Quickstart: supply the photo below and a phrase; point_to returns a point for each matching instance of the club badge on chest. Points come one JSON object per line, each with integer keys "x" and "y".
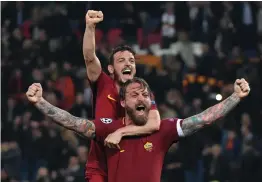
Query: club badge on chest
{"x": 148, "y": 146}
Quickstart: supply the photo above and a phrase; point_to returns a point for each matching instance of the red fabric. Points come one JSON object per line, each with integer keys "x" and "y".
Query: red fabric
{"x": 140, "y": 159}
{"x": 140, "y": 36}
{"x": 106, "y": 105}
{"x": 154, "y": 38}
{"x": 99, "y": 35}
{"x": 66, "y": 86}
{"x": 26, "y": 29}
{"x": 153, "y": 107}
{"x": 113, "y": 36}
{"x": 230, "y": 143}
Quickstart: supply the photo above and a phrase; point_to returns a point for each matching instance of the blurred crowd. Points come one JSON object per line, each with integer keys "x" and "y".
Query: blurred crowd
{"x": 42, "y": 42}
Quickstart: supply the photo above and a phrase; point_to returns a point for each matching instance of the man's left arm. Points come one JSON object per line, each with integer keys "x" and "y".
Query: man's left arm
{"x": 212, "y": 114}
{"x": 151, "y": 126}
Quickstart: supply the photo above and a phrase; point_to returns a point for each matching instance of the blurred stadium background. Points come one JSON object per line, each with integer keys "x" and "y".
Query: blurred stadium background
{"x": 189, "y": 52}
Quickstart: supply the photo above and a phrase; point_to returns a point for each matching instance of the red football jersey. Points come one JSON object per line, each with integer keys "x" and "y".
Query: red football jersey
{"x": 106, "y": 105}
{"x": 140, "y": 158}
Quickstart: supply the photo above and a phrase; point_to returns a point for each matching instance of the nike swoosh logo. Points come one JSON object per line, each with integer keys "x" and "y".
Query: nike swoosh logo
{"x": 111, "y": 98}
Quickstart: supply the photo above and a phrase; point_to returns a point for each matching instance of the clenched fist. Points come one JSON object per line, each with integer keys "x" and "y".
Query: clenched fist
{"x": 241, "y": 88}
{"x": 34, "y": 92}
{"x": 94, "y": 17}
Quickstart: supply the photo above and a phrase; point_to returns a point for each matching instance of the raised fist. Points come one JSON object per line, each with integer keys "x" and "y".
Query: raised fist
{"x": 34, "y": 92}
{"x": 241, "y": 88}
{"x": 94, "y": 17}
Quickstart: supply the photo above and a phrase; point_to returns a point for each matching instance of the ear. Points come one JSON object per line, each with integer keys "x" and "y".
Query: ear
{"x": 110, "y": 69}
{"x": 123, "y": 103}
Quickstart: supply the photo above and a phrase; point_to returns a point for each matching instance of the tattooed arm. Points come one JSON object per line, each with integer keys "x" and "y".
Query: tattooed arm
{"x": 82, "y": 126}
{"x": 194, "y": 123}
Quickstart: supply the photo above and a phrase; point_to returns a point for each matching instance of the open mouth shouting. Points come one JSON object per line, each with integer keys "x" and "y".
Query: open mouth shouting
{"x": 126, "y": 71}
{"x": 140, "y": 109}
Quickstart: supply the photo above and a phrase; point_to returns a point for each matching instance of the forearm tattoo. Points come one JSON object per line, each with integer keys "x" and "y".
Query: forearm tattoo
{"x": 193, "y": 123}
{"x": 82, "y": 126}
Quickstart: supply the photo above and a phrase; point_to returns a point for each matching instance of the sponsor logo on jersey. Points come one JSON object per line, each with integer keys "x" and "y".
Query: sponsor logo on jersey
{"x": 106, "y": 120}
{"x": 111, "y": 98}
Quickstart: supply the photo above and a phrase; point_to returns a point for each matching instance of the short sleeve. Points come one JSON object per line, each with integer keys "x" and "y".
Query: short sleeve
{"x": 101, "y": 129}
{"x": 102, "y": 80}
{"x": 105, "y": 126}
{"x": 171, "y": 129}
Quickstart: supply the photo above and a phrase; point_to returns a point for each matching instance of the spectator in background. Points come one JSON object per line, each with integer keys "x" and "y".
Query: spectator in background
{"x": 175, "y": 101}
{"x": 65, "y": 85}
{"x": 43, "y": 175}
{"x": 73, "y": 172}
{"x": 173, "y": 170}
{"x": 129, "y": 22}
{"x": 4, "y": 176}
{"x": 216, "y": 165}
{"x": 231, "y": 148}
{"x": 168, "y": 31}
{"x": 167, "y": 112}
{"x": 259, "y": 22}
{"x": 185, "y": 49}
{"x": 11, "y": 159}
{"x": 203, "y": 22}
{"x": 79, "y": 109}
{"x": 246, "y": 24}
{"x": 15, "y": 85}
{"x": 247, "y": 135}
{"x": 87, "y": 94}
{"x": 226, "y": 36}
{"x": 250, "y": 164}
{"x": 82, "y": 152}
{"x": 40, "y": 42}
{"x": 230, "y": 145}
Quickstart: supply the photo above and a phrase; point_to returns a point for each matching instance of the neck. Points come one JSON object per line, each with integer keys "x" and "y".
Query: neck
{"x": 117, "y": 86}
{"x": 127, "y": 120}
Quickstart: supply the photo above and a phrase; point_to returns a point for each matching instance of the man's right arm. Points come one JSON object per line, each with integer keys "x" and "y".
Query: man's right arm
{"x": 82, "y": 126}
{"x": 92, "y": 63}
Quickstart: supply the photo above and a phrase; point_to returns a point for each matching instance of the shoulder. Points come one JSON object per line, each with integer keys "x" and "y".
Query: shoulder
{"x": 106, "y": 120}
{"x": 103, "y": 81}
{"x": 173, "y": 125}
{"x": 107, "y": 123}
{"x": 104, "y": 77}
{"x": 105, "y": 126}
{"x": 170, "y": 121}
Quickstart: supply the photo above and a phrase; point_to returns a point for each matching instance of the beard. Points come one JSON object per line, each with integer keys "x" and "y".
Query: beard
{"x": 119, "y": 78}
{"x": 138, "y": 120}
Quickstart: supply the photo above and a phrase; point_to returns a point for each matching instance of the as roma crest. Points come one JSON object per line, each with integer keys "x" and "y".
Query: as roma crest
{"x": 148, "y": 146}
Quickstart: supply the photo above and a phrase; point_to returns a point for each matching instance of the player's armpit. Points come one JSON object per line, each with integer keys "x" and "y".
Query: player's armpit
{"x": 194, "y": 123}
{"x": 82, "y": 126}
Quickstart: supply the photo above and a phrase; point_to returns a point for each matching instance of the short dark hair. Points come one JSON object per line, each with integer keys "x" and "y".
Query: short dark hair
{"x": 120, "y": 48}
{"x": 141, "y": 81}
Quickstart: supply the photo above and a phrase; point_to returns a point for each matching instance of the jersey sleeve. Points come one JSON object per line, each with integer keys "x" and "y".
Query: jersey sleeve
{"x": 102, "y": 80}
{"x": 102, "y": 128}
{"x": 171, "y": 129}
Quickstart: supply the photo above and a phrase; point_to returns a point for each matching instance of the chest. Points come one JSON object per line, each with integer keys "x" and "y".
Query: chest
{"x": 140, "y": 152}
{"x": 107, "y": 103}
{"x": 140, "y": 159}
